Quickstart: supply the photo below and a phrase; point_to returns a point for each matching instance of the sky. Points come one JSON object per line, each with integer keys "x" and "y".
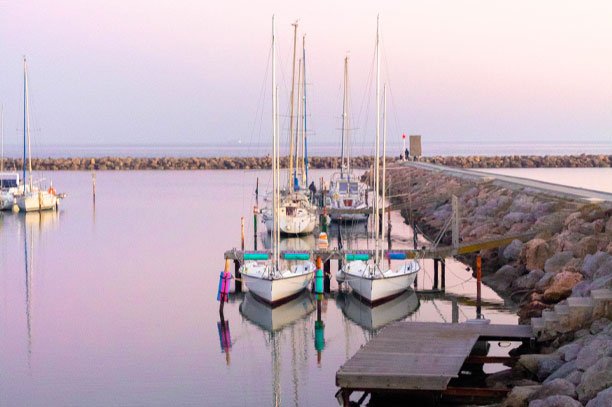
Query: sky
{"x": 186, "y": 72}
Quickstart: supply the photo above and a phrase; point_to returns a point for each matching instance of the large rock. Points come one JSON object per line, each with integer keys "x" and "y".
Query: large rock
{"x": 553, "y": 387}
{"x": 545, "y": 282}
{"x": 595, "y": 379}
{"x": 592, "y": 352}
{"x": 513, "y": 250}
{"x": 603, "y": 399}
{"x": 561, "y": 286}
{"x": 503, "y": 278}
{"x": 531, "y": 362}
{"x": 582, "y": 289}
{"x": 557, "y": 261}
{"x": 570, "y": 351}
{"x": 517, "y": 217}
{"x": 556, "y": 401}
{"x": 592, "y": 262}
{"x": 599, "y": 325}
{"x": 602, "y": 282}
{"x": 562, "y": 372}
{"x": 548, "y": 366}
{"x": 528, "y": 281}
{"x": 519, "y": 396}
{"x": 536, "y": 253}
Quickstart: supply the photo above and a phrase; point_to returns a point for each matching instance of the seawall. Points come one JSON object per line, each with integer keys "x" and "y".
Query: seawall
{"x": 218, "y": 163}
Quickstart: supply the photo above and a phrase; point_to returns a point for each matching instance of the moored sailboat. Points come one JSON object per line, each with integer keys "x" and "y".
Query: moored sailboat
{"x": 271, "y": 280}
{"x": 369, "y": 278}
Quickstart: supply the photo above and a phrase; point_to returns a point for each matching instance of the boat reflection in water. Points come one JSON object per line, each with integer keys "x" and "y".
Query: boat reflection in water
{"x": 274, "y": 319}
{"x": 297, "y": 243}
{"x": 375, "y": 318}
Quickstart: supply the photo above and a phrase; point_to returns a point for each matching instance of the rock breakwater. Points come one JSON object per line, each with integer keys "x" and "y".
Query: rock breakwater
{"x": 223, "y": 163}
{"x": 562, "y": 274}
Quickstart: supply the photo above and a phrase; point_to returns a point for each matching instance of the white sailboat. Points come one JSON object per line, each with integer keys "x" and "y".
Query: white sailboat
{"x": 32, "y": 198}
{"x": 369, "y": 278}
{"x": 346, "y": 191}
{"x": 272, "y": 281}
{"x": 297, "y": 214}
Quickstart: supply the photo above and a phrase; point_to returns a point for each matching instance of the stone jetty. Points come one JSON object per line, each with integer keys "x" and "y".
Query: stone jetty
{"x": 223, "y": 163}
{"x": 561, "y": 280}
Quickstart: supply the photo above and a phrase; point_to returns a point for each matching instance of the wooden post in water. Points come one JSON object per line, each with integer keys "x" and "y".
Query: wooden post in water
{"x": 222, "y": 297}
{"x": 257, "y": 192}
{"x": 242, "y": 232}
{"x": 238, "y": 277}
{"x": 326, "y": 274}
{"x": 455, "y": 310}
{"x": 414, "y": 233}
{"x": 255, "y": 227}
{"x": 318, "y": 266}
{"x": 443, "y": 275}
{"x": 93, "y": 180}
{"x": 435, "y": 276}
{"x": 478, "y": 288}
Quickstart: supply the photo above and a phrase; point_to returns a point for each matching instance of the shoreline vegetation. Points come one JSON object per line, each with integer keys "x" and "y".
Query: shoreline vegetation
{"x": 362, "y": 162}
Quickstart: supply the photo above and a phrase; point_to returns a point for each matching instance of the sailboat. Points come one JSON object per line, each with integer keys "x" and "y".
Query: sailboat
{"x": 345, "y": 189}
{"x": 32, "y": 198}
{"x": 9, "y": 181}
{"x": 297, "y": 214}
{"x": 369, "y": 278}
{"x": 272, "y": 281}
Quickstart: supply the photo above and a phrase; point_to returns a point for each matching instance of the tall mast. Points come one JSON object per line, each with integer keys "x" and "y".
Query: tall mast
{"x": 377, "y": 159}
{"x": 274, "y": 152}
{"x": 343, "y": 156}
{"x": 304, "y": 92}
{"x": 291, "y": 174}
{"x": 298, "y": 123}
{"x": 346, "y": 98}
{"x": 384, "y": 159}
{"x": 277, "y": 179}
{"x": 26, "y": 124}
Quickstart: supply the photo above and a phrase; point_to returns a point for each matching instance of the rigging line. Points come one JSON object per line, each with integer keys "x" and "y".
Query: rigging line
{"x": 365, "y": 98}
{"x": 395, "y": 115}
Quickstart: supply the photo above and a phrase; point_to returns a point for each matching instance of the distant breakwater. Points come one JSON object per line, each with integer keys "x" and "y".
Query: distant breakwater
{"x": 228, "y": 163}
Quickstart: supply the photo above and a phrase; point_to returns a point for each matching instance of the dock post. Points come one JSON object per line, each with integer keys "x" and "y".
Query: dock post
{"x": 223, "y": 287}
{"x": 380, "y": 224}
{"x": 443, "y": 274}
{"x": 435, "y": 276}
{"x": 242, "y": 232}
{"x": 478, "y": 288}
{"x": 414, "y": 233}
{"x": 326, "y": 274}
{"x": 389, "y": 228}
{"x": 455, "y": 310}
{"x": 255, "y": 227}
{"x": 93, "y": 180}
{"x": 238, "y": 277}
{"x": 318, "y": 266}
{"x": 257, "y": 192}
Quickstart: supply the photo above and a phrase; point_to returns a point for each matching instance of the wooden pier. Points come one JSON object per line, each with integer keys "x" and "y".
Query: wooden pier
{"x": 423, "y": 357}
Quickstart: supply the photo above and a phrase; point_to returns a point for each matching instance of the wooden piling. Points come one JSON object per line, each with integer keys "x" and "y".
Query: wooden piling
{"x": 443, "y": 274}
{"x": 326, "y": 276}
{"x": 478, "y": 287}
{"x": 255, "y": 210}
{"x": 93, "y": 180}
{"x": 238, "y": 277}
{"x": 435, "y": 276}
{"x": 414, "y": 233}
{"x": 242, "y": 232}
{"x": 222, "y": 297}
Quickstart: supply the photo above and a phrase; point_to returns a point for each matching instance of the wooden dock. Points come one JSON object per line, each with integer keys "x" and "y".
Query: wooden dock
{"x": 423, "y": 357}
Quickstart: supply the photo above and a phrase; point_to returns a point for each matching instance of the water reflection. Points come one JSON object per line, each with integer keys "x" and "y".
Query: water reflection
{"x": 28, "y": 282}
{"x": 375, "y": 318}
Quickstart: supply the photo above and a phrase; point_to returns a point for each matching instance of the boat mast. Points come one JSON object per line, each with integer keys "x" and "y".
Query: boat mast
{"x": 384, "y": 161}
{"x": 346, "y": 98}
{"x": 26, "y": 124}
{"x": 277, "y": 181}
{"x": 342, "y": 156}
{"x": 298, "y": 124}
{"x": 304, "y": 92}
{"x": 274, "y": 152}
{"x": 377, "y": 159}
{"x": 291, "y": 172}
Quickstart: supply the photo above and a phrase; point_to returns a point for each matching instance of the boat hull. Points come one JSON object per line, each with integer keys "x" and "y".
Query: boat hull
{"x": 378, "y": 289}
{"x": 276, "y": 290}
{"x": 37, "y": 202}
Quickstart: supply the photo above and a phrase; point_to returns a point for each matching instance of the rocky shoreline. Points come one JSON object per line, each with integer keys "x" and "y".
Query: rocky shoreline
{"x": 223, "y": 163}
{"x": 562, "y": 274}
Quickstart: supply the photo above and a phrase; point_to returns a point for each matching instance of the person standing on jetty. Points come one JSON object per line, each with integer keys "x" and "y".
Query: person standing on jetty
{"x": 406, "y": 154}
{"x": 313, "y": 191}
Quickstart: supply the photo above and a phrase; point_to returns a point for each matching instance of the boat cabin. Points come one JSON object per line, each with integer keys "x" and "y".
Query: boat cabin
{"x": 348, "y": 187}
{"x": 9, "y": 179}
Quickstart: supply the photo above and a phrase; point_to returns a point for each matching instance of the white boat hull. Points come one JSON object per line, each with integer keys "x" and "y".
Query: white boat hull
{"x": 37, "y": 201}
{"x": 381, "y": 285}
{"x": 374, "y": 318}
{"x": 279, "y": 288}
{"x": 273, "y": 319}
{"x": 7, "y": 199}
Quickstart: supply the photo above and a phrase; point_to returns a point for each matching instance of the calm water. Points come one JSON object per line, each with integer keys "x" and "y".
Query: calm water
{"x": 117, "y": 306}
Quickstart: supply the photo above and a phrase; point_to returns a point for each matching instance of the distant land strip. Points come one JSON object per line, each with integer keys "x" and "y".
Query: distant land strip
{"x": 227, "y": 163}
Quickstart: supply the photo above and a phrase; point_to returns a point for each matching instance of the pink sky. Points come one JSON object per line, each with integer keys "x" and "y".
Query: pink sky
{"x": 192, "y": 71}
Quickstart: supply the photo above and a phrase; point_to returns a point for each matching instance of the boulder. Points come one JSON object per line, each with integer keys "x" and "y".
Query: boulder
{"x": 513, "y": 250}
{"x": 545, "y": 282}
{"x": 562, "y": 372}
{"x": 554, "y": 387}
{"x": 592, "y": 262}
{"x": 582, "y": 289}
{"x": 586, "y": 245}
{"x": 528, "y": 281}
{"x": 575, "y": 377}
{"x": 569, "y": 352}
{"x": 595, "y": 379}
{"x": 503, "y": 278}
{"x": 531, "y": 361}
{"x": 609, "y": 225}
{"x": 517, "y": 217}
{"x": 572, "y": 217}
{"x": 548, "y": 366}
{"x": 602, "y": 282}
{"x": 561, "y": 286}
{"x": 599, "y": 325}
{"x": 536, "y": 253}
{"x": 592, "y": 352}
{"x": 557, "y": 261}
{"x": 556, "y": 401}
{"x": 603, "y": 399}
{"x": 519, "y": 395}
